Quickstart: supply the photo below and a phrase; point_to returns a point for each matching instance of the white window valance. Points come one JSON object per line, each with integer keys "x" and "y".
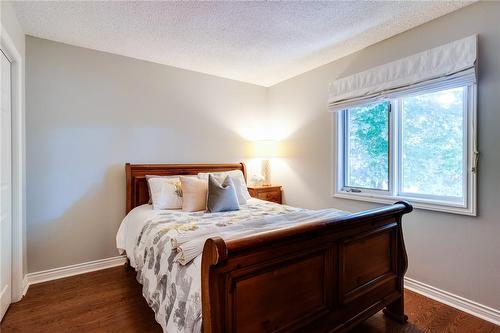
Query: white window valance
{"x": 455, "y": 61}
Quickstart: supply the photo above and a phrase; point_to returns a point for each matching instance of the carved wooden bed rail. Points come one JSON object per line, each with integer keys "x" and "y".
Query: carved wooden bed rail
{"x": 321, "y": 277}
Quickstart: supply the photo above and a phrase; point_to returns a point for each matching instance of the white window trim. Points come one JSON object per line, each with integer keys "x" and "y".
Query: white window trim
{"x": 468, "y": 207}
{"x": 18, "y": 164}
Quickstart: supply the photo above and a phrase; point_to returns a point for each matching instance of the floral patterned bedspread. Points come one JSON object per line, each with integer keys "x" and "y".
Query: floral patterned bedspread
{"x": 173, "y": 290}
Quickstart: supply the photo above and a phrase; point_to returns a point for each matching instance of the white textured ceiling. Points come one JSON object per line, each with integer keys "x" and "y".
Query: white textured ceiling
{"x": 257, "y": 42}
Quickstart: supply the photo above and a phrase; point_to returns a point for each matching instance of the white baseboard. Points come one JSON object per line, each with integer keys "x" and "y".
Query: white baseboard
{"x": 62, "y": 272}
{"x": 25, "y": 285}
{"x": 4, "y": 301}
{"x": 458, "y": 302}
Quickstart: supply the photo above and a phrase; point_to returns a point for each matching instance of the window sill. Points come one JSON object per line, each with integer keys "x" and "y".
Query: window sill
{"x": 416, "y": 203}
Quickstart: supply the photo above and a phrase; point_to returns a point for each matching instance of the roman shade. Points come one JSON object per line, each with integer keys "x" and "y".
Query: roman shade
{"x": 442, "y": 65}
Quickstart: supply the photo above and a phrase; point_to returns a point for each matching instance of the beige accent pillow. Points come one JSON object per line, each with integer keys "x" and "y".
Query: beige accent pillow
{"x": 194, "y": 194}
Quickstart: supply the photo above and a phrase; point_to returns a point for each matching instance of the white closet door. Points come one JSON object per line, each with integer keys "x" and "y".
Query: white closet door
{"x": 5, "y": 185}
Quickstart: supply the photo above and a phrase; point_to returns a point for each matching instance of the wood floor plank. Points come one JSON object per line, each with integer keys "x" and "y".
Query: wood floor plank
{"x": 111, "y": 301}
{"x": 104, "y": 301}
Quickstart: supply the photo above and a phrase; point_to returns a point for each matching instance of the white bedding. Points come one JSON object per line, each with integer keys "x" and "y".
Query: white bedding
{"x": 154, "y": 239}
{"x": 131, "y": 226}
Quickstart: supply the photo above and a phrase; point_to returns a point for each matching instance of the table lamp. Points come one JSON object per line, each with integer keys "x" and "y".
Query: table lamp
{"x": 266, "y": 149}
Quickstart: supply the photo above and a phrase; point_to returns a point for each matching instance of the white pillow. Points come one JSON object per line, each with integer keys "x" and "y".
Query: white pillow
{"x": 194, "y": 194}
{"x": 238, "y": 181}
{"x": 149, "y": 187}
{"x": 166, "y": 193}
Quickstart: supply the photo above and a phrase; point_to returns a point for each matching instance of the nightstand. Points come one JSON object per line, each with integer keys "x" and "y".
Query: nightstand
{"x": 268, "y": 193}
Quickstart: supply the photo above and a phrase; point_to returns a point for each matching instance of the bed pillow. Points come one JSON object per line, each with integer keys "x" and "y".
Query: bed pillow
{"x": 238, "y": 180}
{"x": 148, "y": 177}
{"x": 165, "y": 193}
{"x": 194, "y": 194}
{"x": 221, "y": 197}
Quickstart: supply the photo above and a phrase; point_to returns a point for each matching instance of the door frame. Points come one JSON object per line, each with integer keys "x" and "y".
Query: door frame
{"x": 19, "y": 283}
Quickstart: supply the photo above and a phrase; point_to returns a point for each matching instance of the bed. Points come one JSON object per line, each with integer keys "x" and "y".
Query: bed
{"x": 325, "y": 275}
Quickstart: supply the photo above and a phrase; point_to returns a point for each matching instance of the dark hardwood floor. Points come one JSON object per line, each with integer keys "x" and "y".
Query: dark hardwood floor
{"x": 110, "y": 301}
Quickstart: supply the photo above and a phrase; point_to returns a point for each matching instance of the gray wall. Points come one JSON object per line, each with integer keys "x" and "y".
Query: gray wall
{"x": 88, "y": 113}
{"x": 455, "y": 253}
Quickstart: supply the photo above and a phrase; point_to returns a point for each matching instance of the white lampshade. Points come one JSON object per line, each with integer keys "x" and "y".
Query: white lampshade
{"x": 265, "y": 148}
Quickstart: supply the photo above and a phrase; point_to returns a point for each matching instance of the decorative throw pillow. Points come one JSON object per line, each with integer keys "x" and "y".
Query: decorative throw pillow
{"x": 165, "y": 192}
{"x": 148, "y": 177}
{"x": 221, "y": 197}
{"x": 194, "y": 194}
{"x": 238, "y": 180}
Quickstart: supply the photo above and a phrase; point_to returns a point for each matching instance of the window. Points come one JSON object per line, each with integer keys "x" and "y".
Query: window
{"x": 367, "y": 146}
{"x": 418, "y": 147}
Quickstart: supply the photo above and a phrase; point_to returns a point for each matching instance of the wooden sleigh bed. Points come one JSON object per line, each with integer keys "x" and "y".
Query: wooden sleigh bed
{"x": 321, "y": 277}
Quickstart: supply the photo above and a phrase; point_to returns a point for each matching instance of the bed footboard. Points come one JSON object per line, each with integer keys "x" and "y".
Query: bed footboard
{"x": 321, "y": 277}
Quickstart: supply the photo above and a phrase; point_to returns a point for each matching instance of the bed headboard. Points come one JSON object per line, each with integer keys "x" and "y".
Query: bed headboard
{"x": 137, "y": 188}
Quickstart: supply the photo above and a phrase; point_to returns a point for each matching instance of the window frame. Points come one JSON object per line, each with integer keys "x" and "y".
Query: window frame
{"x": 435, "y": 203}
{"x": 390, "y": 170}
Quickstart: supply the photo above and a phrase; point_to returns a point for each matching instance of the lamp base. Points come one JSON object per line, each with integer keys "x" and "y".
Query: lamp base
{"x": 266, "y": 172}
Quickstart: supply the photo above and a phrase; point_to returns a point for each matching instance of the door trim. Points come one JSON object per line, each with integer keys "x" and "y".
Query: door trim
{"x": 18, "y": 163}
